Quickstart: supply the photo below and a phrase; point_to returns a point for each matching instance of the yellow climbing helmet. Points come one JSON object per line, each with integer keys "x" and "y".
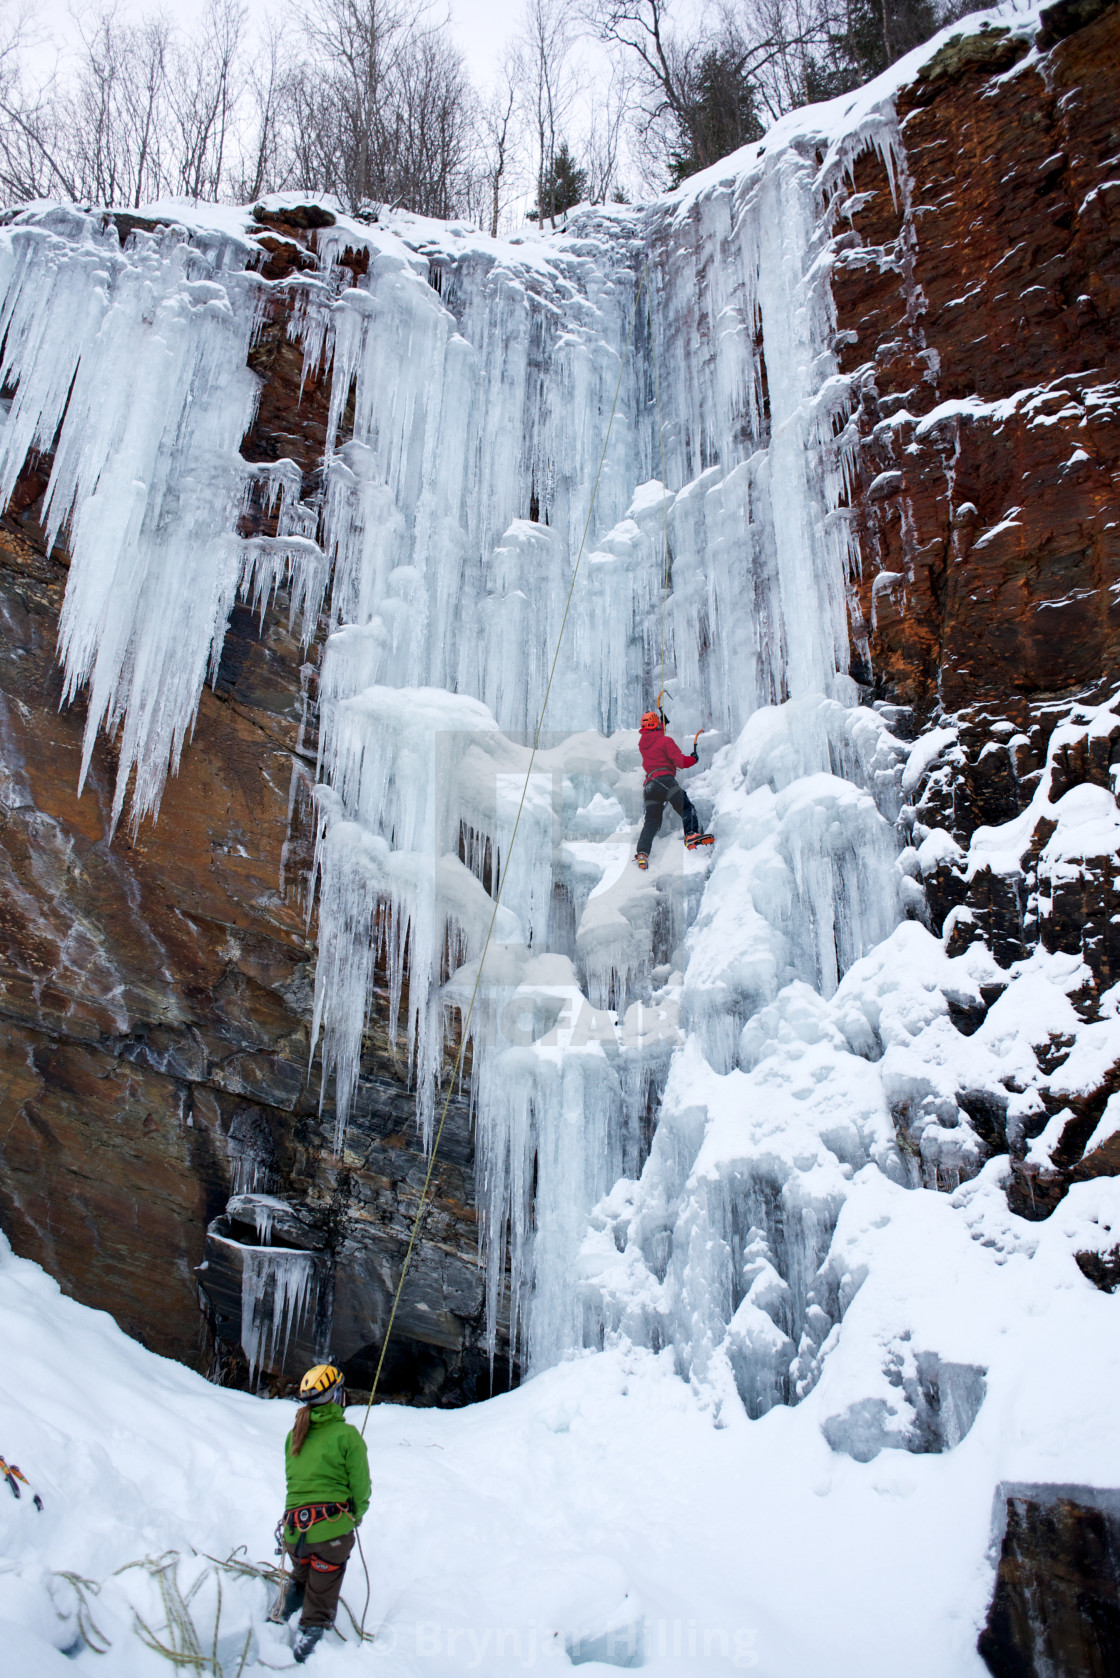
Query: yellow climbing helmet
{"x": 321, "y": 1384}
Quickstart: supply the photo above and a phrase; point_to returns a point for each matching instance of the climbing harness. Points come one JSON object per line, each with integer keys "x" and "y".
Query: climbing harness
{"x": 298, "y": 1523}
{"x": 310, "y": 1514}
{"x": 14, "y": 1476}
{"x": 465, "y": 1031}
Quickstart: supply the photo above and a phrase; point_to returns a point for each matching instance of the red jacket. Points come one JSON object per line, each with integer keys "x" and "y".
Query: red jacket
{"x": 660, "y": 755}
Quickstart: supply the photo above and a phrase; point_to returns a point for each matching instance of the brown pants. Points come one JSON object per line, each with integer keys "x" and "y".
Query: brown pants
{"x": 320, "y": 1571}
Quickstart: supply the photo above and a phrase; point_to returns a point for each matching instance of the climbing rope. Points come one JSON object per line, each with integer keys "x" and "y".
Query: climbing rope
{"x": 465, "y": 1031}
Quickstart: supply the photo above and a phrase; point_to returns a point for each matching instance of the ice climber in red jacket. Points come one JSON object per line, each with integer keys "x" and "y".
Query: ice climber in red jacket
{"x": 660, "y": 757}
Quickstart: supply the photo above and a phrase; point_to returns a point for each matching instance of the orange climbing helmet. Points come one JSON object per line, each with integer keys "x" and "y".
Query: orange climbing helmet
{"x": 650, "y": 721}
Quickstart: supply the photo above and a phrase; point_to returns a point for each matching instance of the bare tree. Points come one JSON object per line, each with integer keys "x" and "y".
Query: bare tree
{"x": 310, "y": 125}
{"x": 380, "y": 111}
{"x": 97, "y": 136}
{"x": 267, "y": 156}
{"x": 676, "y": 80}
{"x": 116, "y": 109}
{"x": 377, "y": 108}
{"x": 641, "y": 29}
{"x": 356, "y": 47}
{"x": 421, "y": 151}
{"x": 147, "y": 105}
{"x": 33, "y": 158}
{"x": 609, "y": 114}
{"x": 203, "y": 92}
{"x": 498, "y": 132}
{"x": 551, "y": 86}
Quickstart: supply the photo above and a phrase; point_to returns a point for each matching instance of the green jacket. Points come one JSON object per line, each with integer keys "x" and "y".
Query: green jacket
{"x": 331, "y": 1467}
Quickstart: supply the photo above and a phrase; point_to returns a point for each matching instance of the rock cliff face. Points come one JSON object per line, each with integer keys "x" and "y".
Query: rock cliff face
{"x": 978, "y": 308}
{"x": 981, "y": 312}
{"x": 155, "y": 993}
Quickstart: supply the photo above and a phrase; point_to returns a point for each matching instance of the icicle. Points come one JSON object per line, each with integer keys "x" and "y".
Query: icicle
{"x": 292, "y": 556}
{"x": 457, "y": 435}
{"x": 146, "y": 470}
{"x": 276, "y": 1284}
{"x": 251, "y": 1152}
{"x": 261, "y": 1210}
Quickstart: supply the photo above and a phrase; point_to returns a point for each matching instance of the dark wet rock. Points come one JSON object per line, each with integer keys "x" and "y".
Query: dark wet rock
{"x": 1055, "y": 1611}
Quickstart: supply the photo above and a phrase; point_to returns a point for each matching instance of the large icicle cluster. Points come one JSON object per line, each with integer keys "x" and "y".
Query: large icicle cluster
{"x": 130, "y": 369}
{"x": 496, "y": 411}
{"x": 475, "y": 407}
{"x": 454, "y": 515}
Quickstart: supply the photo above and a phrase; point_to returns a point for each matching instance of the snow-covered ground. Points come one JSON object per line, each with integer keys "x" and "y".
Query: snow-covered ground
{"x": 596, "y": 1514}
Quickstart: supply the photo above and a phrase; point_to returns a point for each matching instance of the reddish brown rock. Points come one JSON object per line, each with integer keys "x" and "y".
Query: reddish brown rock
{"x": 989, "y": 569}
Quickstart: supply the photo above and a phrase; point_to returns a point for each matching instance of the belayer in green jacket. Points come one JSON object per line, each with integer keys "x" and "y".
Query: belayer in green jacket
{"x": 327, "y": 1495}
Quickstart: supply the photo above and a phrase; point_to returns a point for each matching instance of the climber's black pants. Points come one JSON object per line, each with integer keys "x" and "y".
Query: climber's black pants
{"x": 320, "y": 1571}
{"x": 657, "y": 794}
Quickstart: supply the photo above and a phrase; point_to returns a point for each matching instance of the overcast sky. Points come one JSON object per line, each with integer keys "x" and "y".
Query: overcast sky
{"x": 481, "y": 26}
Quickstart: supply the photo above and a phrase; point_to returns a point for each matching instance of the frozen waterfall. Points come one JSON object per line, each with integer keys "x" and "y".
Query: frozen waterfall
{"x": 450, "y": 583}
{"x": 472, "y": 384}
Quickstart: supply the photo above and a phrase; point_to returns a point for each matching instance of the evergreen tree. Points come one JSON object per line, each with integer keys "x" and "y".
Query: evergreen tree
{"x": 718, "y": 115}
{"x": 562, "y": 185}
{"x": 867, "y": 36}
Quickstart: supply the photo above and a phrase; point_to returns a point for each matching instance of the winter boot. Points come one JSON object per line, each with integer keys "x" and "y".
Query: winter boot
{"x": 642, "y": 861}
{"x": 693, "y": 841}
{"x": 306, "y": 1639}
